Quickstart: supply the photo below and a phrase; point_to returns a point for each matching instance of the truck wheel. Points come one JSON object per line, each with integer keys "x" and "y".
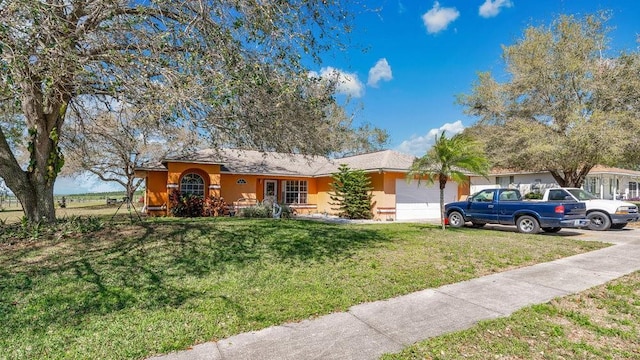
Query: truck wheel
{"x": 551, "y": 229}
{"x": 527, "y": 224}
{"x": 456, "y": 219}
{"x": 599, "y": 221}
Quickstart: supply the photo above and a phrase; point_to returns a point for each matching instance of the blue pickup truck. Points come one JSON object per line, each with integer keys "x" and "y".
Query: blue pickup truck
{"x": 506, "y": 207}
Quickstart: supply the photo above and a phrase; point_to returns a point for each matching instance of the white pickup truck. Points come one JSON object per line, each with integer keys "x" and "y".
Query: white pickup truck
{"x": 604, "y": 214}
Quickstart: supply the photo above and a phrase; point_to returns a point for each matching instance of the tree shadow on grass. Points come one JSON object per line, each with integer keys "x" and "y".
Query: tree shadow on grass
{"x": 144, "y": 265}
{"x": 291, "y": 242}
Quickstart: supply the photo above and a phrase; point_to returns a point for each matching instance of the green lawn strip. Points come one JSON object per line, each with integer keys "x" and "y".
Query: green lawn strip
{"x": 130, "y": 290}
{"x": 600, "y": 323}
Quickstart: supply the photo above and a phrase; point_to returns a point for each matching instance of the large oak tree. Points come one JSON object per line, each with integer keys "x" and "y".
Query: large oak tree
{"x": 567, "y": 104}
{"x": 231, "y": 70}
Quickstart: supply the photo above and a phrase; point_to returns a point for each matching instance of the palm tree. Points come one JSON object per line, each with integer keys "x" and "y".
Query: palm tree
{"x": 448, "y": 159}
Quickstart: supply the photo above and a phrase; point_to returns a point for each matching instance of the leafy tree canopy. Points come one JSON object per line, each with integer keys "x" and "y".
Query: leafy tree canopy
{"x": 232, "y": 71}
{"x": 565, "y": 107}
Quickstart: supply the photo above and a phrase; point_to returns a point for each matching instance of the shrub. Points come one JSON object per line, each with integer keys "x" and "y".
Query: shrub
{"x": 533, "y": 196}
{"x": 74, "y": 226}
{"x": 215, "y": 206}
{"x": 287, "y": 211}
{"x": 258, "y": 211}
{"x": 187, "y": 205}
{"x": 265, "y": 211}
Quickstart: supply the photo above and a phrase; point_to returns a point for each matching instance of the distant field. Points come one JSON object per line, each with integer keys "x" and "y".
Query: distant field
{"x": 81, "y": 204}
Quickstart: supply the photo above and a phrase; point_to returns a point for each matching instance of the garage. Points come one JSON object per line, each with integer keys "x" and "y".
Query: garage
{"x": 421, "y": 202}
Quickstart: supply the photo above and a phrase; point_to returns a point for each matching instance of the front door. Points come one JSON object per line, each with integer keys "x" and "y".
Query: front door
{"x": 271, "y": 189}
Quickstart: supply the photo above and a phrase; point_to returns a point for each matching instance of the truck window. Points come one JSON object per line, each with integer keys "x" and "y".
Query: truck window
{"x": 581, "y": 194}
{"x": 557, "y": 195}
{"x": 483, "y": 196}
{"x": 509, "y": 195}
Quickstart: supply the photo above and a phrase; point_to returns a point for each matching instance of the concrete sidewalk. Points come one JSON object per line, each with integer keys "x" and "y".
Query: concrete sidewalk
{"x": 369, "y": 330}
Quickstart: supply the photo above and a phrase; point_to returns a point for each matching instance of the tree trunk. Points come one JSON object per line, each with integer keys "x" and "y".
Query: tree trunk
{"x": 571, "y": 178}
{"x": 34, "y": 186}
{"x": 132, "y": 186}
{"x": 443, "y": 184}
{"x": 38, "y": 203}
{"x": 34, "y": 192}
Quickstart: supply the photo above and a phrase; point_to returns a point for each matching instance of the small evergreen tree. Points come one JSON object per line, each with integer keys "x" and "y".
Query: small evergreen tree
{"x": 351, "y": 193}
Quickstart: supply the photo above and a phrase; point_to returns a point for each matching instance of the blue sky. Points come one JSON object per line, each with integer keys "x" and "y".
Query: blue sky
{"x": 410, "y": 59}
{"x": 423, "y": 53}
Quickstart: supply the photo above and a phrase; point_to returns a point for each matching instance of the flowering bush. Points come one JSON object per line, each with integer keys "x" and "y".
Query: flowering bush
{"x": 189, "y": 205}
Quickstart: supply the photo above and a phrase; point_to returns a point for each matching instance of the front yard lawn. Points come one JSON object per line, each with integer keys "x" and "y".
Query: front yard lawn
{"x": 97, "y": 289}
{"x": 600, "y": 323}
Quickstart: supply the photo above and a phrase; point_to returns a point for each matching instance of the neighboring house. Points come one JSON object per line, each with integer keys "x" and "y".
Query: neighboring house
{"x": 604, "y": 182}
{"x": 299, "y": 181}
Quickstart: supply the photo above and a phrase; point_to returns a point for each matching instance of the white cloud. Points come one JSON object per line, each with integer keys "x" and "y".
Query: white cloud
{"x": 347, "y": 83}
{"x": 492, "y": 8}
{"x": 437, "y": 19}
{"x": 380, "y": 71}
{"x": 419, "y": 145}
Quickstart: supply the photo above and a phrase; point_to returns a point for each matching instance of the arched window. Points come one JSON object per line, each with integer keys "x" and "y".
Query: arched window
{"x": 192, "y": 184}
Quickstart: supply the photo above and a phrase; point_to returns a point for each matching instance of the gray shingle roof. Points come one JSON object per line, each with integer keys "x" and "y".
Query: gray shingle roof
{"x": 237, "y": 161}
{"x": 386, "y": 160}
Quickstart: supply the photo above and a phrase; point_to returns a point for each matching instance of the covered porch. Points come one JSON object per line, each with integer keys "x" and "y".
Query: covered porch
{"x": 613, "y": 183}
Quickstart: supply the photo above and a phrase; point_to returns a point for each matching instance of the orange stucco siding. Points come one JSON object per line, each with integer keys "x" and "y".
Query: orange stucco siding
{"x": 156, "y": 194}
{"x": 323, "y": 187}
{"x": 177, "y": 170}
{"x": 388, "y": 195}
{"x": 231, "y": 189}
{"x": 464, "y": 189}
{"x": 379, "y": 198}
{"x": 157, "y": 188}
{"x": 384, "y": 191}
{"x": 236, "y": 186}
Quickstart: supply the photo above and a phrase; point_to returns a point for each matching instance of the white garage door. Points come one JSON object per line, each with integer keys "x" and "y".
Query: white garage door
{"x": 421, "y": 202}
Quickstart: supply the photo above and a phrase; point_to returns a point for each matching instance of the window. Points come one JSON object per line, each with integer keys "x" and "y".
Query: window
{"x": 633, "y": 186}
{"x": 504, "y": 181}
{"x": 192, "y": 184}
{"x": 241, "y": 181}
{"x": 295, "y": 192}
{"x": 591, "y": 185}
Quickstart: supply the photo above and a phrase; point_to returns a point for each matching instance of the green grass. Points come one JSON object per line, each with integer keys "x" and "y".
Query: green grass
{"x": 97, "y": 289}
{"x": 600, "y": 323}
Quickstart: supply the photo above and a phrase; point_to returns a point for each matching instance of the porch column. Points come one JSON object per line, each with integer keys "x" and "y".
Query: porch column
{"x": 146, "y": 194}
{"x": 214, "y": 189}
{"x": 601, "y": 187}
